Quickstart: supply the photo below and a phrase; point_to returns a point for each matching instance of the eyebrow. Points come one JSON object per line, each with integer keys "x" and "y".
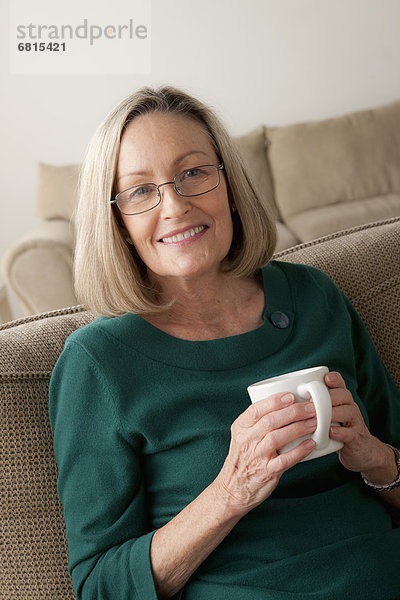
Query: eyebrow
{"x": 176, "y": 161}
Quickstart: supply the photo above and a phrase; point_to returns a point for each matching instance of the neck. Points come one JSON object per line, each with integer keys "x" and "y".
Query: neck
{"x": 214, "y": 303}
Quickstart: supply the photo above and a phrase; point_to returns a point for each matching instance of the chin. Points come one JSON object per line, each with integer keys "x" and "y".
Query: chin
{"x": 188, "y": 270}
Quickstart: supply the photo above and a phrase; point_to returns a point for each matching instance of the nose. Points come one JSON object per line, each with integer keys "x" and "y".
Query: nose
{"x": 172, "y": 204}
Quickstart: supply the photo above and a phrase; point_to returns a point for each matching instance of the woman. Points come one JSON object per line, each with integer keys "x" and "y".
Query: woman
{"x": 171, "y": 482}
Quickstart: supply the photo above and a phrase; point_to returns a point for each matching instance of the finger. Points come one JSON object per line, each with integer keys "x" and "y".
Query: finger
{"x": 334, "y": 379}
{"x": 277, "y": 439}
{"x": 286, "y": 460}
{"x": 341, "y": 434}
{"x": 259, "y": 409}
{"x": 277, "y": 419}
{"x": 345, "y": 414}
{"x": 341, "y": 396}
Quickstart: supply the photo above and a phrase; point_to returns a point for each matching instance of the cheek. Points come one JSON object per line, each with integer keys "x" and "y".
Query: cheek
{"x": 140, "y": 230}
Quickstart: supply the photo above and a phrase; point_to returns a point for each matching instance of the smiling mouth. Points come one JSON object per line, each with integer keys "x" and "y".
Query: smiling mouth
{"x": 180, "y": 237}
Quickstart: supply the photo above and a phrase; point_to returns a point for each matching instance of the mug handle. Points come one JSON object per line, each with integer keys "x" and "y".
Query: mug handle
{"x": 323, "y": 408}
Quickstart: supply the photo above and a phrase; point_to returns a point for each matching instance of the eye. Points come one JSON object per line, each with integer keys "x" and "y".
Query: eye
{"x": 137, "y": 193}
{"x": 190, "y": 173}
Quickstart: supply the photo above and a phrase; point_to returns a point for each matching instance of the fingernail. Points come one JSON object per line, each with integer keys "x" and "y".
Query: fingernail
{"x": 333, "y": 378}
{"x": 287, "y": 398}
{"x": 309, "y": 407}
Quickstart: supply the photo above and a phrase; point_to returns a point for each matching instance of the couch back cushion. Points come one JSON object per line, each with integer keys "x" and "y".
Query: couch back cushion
{"x": 337, "y": 173}
{"x": 252, "y": 149}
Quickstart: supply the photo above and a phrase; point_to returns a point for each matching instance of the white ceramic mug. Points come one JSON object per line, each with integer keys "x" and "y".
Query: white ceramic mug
{"x": 304, "y": 384}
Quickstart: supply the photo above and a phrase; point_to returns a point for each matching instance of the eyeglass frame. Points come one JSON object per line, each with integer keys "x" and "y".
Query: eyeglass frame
{"x": 173, "y": 182}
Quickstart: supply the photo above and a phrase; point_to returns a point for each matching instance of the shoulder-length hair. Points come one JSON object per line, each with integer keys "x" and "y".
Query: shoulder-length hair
{"x": 110, "y": 278}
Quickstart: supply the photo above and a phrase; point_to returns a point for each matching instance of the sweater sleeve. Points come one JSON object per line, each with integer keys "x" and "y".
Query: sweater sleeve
{"x": 100, "y": 485}
{"x": 376, "y": 388}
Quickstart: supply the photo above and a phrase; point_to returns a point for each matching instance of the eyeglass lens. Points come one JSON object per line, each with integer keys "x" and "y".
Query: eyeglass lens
{"x": 191, "y": 182}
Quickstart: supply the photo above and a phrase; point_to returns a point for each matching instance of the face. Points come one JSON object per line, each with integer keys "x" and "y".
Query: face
{"x": 154, "y": 148}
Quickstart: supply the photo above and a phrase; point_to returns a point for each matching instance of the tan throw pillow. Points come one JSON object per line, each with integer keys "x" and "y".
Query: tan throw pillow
{"x": 353, "y": 160}
{"x": 57, "y": 191}
{"x": 251, "y": 148}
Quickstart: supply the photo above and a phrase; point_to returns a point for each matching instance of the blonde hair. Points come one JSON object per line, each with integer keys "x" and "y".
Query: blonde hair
{"x": 110, "y": 278}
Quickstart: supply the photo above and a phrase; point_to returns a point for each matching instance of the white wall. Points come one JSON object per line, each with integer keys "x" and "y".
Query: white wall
{"x": 259, "y": 61}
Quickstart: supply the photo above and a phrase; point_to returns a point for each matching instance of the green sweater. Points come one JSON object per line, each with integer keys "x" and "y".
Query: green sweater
{"x": 141, "y": 426}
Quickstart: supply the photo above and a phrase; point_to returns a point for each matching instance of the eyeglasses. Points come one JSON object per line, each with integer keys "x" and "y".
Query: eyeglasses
{"x": 190, "y": 182}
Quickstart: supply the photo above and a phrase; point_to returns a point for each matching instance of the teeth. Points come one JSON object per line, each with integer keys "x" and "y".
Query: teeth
{"x": 183, "y": 236}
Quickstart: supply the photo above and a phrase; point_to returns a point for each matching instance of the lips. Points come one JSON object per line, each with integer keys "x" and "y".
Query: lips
{"x": 180, "y": 236}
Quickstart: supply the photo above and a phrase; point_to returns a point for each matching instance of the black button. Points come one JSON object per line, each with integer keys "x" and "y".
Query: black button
{"x": 280, "y": 320}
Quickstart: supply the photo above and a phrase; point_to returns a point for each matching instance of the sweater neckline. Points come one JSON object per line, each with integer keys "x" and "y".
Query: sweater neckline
{"x": 223, "y": 353}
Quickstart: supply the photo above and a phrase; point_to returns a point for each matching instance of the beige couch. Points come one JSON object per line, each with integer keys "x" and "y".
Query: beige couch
{"x": 364, "y": 262}
{"x": 319, "y": 177}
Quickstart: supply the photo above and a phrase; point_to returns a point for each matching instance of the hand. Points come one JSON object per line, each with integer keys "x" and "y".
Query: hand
{"x": 362, "y": 452}
{"x": 253, "y": 466}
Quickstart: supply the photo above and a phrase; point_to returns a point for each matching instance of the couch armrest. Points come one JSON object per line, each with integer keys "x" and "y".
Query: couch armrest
{"x": 38, "y": 268}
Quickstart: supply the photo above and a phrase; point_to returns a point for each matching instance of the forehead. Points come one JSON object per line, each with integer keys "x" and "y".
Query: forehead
{"x": 159, "y": 137}
{"x": 155, "y": 125}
